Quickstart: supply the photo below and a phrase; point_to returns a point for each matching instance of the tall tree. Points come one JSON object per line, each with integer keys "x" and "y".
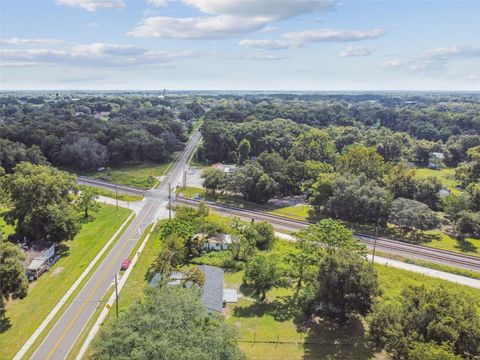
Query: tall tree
{"x": 170, "y": 323}
{"x": 347, "y": 285}
{"x": 314, "y": 145}
{"x": 262, "y": 274}
{"x": 213, "y": 179}
{"x": 13, "y": 281}
{"x": 87, "y": 202}
{"x": 412, "y": 215}
{"x": 244, "y": 149}
{"x": 359, "y": 160}
{"x": 41, "y": 200}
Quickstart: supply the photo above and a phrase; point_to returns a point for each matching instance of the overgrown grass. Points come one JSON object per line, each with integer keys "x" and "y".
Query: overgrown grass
{"x": 138, "y": 175}
{"x": 431, "y": 265}
{"x": 25, "y": 315}
{"x": 444, "y": 175}
{"x": 393, "y": 281}
{"x": 111, "y": 194}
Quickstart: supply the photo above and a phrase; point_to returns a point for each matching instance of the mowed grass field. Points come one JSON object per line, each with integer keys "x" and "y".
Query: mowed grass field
{"x": 137, "y": 175}
{"x": 27, "y": 314}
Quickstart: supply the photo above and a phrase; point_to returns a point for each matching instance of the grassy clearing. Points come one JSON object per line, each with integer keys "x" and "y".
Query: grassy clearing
{"x": 444, "y": 175}
{"x": 111, "y": 194}
{"x": 27, "y": 314}
{"x": 300, "y": 212}
{"x": 138, "y": 175}
{"x": 5, "y": 229}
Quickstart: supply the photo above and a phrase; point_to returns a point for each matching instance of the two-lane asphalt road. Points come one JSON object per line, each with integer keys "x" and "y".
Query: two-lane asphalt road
{"x": 61, "y": 338}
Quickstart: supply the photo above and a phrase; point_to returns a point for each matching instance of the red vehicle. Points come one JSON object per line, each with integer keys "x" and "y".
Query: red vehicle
{"x": 125, "y": 264}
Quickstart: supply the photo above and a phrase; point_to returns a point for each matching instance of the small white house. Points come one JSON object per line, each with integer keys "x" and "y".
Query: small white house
{"x": 218, "y": 242}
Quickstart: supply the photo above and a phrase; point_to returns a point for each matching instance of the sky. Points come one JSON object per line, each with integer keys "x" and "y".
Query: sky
{"x": 309, "y": 45}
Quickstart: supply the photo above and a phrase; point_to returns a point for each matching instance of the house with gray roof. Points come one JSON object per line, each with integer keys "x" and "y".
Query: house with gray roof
{"x": 214, "y": 296}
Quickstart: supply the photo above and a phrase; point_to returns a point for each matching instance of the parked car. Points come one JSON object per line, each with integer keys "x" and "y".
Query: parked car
{"x": 53, "y": 259}
{"x": 125, "y": 264}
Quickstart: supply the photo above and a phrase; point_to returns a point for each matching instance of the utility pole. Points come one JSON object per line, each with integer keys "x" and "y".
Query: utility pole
{"x": 116, "y": 296}
{"x": 184, "y": 177}
{"x": 169, "y": 201}
{"x": 116, "y": 196}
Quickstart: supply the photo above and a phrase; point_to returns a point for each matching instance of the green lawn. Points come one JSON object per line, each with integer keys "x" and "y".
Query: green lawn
{"x": 444, "y": 175}
{"x": 138, "y": 175}
{"x": 27, "y": 314}
{"x": 469, "y": 246}
{"x": 300, "y": 212}
{"x": 111, "y": 194}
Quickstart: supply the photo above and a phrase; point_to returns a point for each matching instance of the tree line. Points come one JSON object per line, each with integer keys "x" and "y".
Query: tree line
{"x": 88, "y": 133}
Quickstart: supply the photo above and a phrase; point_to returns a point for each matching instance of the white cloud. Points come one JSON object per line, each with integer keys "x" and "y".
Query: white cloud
{"x": 269, "y": 29}
{"x": 265, "y": 57}
{"x": 93, "y": 24}
{"x": 226, "y": 18}
{"x": 433, "y": 59}
{"x": 358, "y": 50}
{"x": 331, "y": 35}
{"x": 32, "y": 42}
{"x": 270, "y": 44}
{"x": 160, "y": 3}
{"x": 93, "y": 5}
{"x": 298, "y": 39}
{"x": 96, "y": 54}
{"x": 211, "y": 27}
{"x": 272, "y": 9}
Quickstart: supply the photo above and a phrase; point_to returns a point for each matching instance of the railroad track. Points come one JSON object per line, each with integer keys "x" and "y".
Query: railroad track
{"x": 83, "y": 180}
{"x": 395, "y": 247}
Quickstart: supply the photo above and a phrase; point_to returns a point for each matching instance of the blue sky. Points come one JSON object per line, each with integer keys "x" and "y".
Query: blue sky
{"x": 240, "y": 44}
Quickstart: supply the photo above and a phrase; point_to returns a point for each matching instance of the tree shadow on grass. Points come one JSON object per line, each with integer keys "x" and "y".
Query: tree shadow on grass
{"x": 63, "y": 250}
{"x": 4, "y": 324}
{"x": 465, "y": 245}
{"x": 415, "y": 237}
{"x": 281, "y": 309}
{"x": 327, "y": 339}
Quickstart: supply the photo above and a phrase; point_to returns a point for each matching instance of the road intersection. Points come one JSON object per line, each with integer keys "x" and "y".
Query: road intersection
{"x": 65, "y": 332}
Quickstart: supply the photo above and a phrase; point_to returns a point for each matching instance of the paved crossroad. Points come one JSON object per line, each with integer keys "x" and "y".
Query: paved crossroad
{"x": 68, "y": 328}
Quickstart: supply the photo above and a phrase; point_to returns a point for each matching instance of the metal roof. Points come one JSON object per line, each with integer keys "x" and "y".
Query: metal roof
{"x": 37, "y": 263}
{"x": 212, "y": 292}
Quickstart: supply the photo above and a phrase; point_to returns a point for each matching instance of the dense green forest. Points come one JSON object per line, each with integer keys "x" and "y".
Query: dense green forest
{"x": 88, "y": 132}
